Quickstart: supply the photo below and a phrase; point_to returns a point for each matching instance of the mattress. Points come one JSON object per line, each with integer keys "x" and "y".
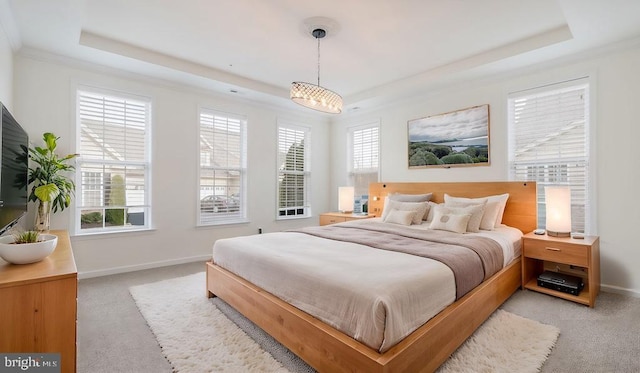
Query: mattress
{"x": 374, "y": 295}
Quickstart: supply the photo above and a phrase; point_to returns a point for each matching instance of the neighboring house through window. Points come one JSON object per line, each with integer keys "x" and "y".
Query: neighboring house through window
{"x": 223, "y": 168}
{"x": 549, "y": 144}
{"x": 363, "y": 157}
{"x": 112, "y": 173}
{"x": 293, "y": 171}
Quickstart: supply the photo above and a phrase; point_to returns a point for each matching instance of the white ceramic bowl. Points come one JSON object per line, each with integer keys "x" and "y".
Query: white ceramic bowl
{"x": 27, "y": 252}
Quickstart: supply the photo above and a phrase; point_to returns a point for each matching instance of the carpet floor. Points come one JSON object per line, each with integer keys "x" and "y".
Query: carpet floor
{"x": 196, "y": 336}
{"x": 114, "y": 337}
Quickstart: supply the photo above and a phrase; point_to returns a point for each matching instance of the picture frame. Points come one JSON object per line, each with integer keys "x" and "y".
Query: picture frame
{"x": 455, "y": 139}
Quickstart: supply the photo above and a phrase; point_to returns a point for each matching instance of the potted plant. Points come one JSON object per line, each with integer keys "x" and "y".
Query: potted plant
{"x": 27, "y": 247}
{"x": 51, "y": 189}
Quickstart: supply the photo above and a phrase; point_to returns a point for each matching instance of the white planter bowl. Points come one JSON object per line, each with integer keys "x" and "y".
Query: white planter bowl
{"x": 27, "y": 252}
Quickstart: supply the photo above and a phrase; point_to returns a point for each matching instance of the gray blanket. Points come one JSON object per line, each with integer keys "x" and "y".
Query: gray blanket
{"x": 472, "y": 259}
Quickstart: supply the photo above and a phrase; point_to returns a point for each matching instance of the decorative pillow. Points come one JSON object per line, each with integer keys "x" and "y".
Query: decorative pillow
{"x": 407, "y": 198}
{"x": 419, "y": 207}
{"x": 476, "y": 212}
{"x": 501, "y": 199}
{"x": 489, "y": 216}
{"x": 450, "y": 222}
{"x": 400, "y": 217}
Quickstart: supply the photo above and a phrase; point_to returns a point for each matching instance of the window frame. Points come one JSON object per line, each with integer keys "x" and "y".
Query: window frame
{"x": 228, "y": 218}
{"x": 545, "y": 170}
{"x": 306, "y": 130}
{"x": 146, "y": 164}
{"x": 351, "y": 172}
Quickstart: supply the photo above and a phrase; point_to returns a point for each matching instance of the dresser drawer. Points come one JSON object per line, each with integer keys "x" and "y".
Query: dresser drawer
{"x": 557, "y": 252}
{"x": 327, "y": 219}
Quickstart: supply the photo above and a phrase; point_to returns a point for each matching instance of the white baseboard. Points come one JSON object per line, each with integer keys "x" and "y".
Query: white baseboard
{"x": 140, "y": 267}
{"x": 621, "y": 291}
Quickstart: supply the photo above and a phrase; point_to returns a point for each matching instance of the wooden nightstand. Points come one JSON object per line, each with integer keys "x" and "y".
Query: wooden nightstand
{"x": 577, "y": 257}
{"x": 339, "y": 217}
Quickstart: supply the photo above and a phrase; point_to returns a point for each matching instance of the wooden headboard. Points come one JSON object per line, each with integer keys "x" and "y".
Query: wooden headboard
{"x": 520, "y": 212}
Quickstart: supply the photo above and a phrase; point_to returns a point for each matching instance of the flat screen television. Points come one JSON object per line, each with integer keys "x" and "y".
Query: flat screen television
{"x": 14, "y": 167}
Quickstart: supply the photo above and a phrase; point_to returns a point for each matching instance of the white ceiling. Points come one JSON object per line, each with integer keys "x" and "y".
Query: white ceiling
{"x": 377, "y": 49}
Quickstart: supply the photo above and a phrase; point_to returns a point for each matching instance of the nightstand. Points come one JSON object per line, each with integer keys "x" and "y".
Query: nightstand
{"x": 339, "y": 217}
{"x": 577, "y": 257}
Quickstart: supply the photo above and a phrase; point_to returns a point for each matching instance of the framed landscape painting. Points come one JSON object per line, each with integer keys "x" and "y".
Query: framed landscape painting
{"x": 458, "y": 138}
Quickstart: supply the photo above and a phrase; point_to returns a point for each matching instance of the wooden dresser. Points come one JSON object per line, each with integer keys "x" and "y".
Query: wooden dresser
{"x": 38, "y": 305}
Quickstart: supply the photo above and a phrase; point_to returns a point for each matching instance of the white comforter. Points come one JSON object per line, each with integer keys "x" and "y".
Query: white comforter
{"x": 378, "y": 297}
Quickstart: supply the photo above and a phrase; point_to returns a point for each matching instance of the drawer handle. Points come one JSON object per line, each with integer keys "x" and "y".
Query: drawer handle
{"x": 552, "y": 248}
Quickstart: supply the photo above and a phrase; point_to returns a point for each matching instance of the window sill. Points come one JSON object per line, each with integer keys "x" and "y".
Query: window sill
{"x": 279, "y": 218}
{"x": 223, "y": 223}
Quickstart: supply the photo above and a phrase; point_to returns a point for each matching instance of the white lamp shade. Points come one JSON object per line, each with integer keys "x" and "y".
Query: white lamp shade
{"x": 558, "y": 202}
{"x": 345, "y": 199}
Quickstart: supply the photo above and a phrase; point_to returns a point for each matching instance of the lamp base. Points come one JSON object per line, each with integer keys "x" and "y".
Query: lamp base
{"x": 558, "y": 234}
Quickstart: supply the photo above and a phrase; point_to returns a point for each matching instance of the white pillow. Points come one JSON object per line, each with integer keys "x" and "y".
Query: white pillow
{"x": 432, "y": 208}
{"x": 450, "y": 222}
{"x": 491, "y": 210}
{"x": 476, "y": 212}
{"x": 501, "y": 199}
{"x": 400, "y": 217}
{"x": 419, "y": 207}
{"x": 407, "y": 198}
{"x": 410, "y": 197}
{"x": 465, "y": 201}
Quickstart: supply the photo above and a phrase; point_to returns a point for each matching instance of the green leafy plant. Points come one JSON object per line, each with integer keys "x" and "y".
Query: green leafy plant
{"x": 49, "y": 184}
{"x": 26, "y": 237}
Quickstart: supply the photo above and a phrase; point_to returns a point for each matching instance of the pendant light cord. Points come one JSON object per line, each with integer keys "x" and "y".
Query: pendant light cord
{"x": 317, "y": 38}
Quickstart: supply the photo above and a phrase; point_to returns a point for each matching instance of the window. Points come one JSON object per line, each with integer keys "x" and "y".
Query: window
{"x": 113, "y": 168}
{"x": 549, "y": 144}
{"x": 363, "y": 150}
{"x": 223, "y": 168}
{"x": 293, "y": 171}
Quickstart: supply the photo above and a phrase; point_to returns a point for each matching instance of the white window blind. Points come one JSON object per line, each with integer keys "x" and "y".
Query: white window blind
{"x": 223, "y": 168}
{"x": 113, "y": 178}
{"x": 549, "y": 144}
{"x": 293, "y": 171}
{"x": 364, "y": 157}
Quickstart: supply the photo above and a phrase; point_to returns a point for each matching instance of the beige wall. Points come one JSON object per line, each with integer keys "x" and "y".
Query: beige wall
{"x": 615, "y": 78}
{"x": 44, "y": 101}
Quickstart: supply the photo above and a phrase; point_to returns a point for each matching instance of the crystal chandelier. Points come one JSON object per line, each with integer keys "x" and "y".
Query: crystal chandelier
{"x": 314, "y": 96}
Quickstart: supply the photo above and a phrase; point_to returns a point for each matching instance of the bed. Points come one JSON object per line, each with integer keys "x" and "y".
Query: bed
{"x": 326, "y": 348}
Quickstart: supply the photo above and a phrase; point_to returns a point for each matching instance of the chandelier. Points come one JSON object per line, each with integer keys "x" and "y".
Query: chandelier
{"x": 315, "y": 96}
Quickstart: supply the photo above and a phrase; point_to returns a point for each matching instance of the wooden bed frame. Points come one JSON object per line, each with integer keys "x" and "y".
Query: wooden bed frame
{"x": 328, "y": 350}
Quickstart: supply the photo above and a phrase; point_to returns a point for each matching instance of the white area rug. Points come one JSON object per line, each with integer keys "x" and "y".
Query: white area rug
{"x": 196, "y": 337}
{"x": 504, "y": 343}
